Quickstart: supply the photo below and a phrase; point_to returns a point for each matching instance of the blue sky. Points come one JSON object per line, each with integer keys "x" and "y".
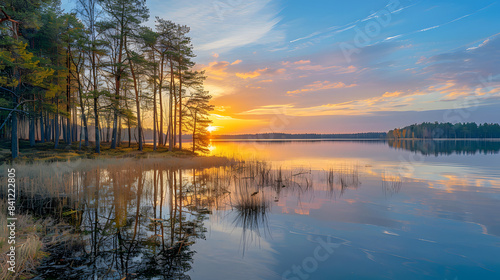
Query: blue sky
{"x": 344, "y": 66}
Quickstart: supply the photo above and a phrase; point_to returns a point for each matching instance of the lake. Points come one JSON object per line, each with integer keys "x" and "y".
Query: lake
{"x": 288, "y": 210}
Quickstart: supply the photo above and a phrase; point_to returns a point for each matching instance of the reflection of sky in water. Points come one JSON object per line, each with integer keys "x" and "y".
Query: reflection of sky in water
{"x": 442, "y": 222}
{"x": 375, "y": 155}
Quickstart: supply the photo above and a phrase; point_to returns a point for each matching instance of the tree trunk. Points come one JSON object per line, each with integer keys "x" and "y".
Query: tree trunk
{"x": 69, "y": 127}
{"x": 170, "y": 121}
{"x": 81, "y": 134}
{"x": 107, "y": 131}
{"x": 154, "y": 108}
{"x": 137, "y": 103}
{"x": 68, "y": 98}
{"x": 129, "y": 135}
{"x": 174, "y": 134}
{"x": 84, "y": 118}
{"x": 119, "y": 136}
{"x": 32, "y": 130}
{"x": 161, "y": 101}
{"x": 42, "y": 132}
{"x": 56, "y": 125}
{"x": 194, "y": 131}
{"x": 48, "y": 127}
{"x": 180, "y": 106}
{"x": 97, "y": 137}
{"x": 14, "y": 136}
{"x": 64, "y": 130}
{"x": 117, "y": 89}
{"x": 53, "y": 129}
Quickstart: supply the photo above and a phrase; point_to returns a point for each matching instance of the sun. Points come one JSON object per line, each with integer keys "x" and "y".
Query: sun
{"x": 211, "y": 128}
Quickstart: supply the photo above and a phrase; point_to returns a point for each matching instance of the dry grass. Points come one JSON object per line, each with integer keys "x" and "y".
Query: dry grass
{"x": 33, "y": 239}
{"x": 28, "y": 246}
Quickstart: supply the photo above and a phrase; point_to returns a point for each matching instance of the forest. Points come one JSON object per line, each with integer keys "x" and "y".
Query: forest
{"x": 446, "y": 130}
{"x": 98, "y": 75}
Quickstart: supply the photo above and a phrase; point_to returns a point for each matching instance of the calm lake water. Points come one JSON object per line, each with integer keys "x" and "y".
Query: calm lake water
{"x": 293, "y": 210}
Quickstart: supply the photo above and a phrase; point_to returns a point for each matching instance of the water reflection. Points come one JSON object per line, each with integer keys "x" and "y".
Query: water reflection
{"x": 251, "y": 209}
{"x": 447, "y": 147}
{"x": 146, "y": 220}
{"x": 391, "y": 183}
{"x": 135, "y": 223}
{"x": 137, "y": 220}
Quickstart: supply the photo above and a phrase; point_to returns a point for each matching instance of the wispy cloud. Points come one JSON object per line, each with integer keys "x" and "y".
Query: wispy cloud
{"x": 259, "y": 72}
{"x": 306, "y": 65}
{"x": 439, "y": 25}
{"x": 223, "y": 25}
{"x": 334, "y": 30}
{"x": 377, "y": 14}
{"x": 306, "y": 37}
{"x": 387, "y": 102}
{"x": 321, "y": 85}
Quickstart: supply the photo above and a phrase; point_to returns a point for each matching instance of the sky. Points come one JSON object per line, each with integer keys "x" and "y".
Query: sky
{"x": 330, "y": 66}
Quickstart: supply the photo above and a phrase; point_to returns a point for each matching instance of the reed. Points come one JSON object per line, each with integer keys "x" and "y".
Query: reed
{"x": 391, "y": 183}
{"x": 29, "y": 246}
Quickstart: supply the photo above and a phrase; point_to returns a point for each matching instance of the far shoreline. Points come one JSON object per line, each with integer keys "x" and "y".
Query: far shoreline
{"x": 352, "y": 139}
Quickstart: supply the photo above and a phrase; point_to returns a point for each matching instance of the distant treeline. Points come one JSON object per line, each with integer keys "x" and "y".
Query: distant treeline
{"x": 281, "y": 136}
{"x": 446, "y": 130}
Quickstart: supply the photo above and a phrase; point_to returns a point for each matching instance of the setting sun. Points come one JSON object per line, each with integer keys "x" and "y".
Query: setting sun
{"x": 211, "y": 128}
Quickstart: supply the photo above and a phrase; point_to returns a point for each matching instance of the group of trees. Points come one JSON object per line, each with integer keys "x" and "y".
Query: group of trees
{"x": 97, "y": 75}
{"x": 446, "y": 130}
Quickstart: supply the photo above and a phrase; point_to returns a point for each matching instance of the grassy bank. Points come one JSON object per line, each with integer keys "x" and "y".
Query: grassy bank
{"x": 34, "y": 238}
{"x": 46, "y": 152}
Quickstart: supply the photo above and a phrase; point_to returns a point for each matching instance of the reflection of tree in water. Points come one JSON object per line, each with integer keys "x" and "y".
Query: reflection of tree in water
{"x": 140, "y": 220}
{"x": 447, "y": 147}
{"x": 136, "y": 224}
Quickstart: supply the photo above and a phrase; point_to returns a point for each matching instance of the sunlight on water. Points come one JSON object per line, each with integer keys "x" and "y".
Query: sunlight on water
{"x": 285, "y": 209}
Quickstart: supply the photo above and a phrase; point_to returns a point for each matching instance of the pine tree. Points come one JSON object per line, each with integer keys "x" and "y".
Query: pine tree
{"x": 199, "y": 108}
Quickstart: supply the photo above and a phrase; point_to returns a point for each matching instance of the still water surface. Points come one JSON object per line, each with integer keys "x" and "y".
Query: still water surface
{"x": 419, "y": 210}
{"x": 296, "y": 210}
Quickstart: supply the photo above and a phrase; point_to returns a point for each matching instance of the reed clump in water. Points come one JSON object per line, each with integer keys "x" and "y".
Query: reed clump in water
{"x": 342, "y": 178}
{"x": 251, "y": 210}
{"x": 391, "y": 183}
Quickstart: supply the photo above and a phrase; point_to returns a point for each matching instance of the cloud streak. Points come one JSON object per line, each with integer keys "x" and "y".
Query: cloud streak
{"x": 439, "y": 25}
{"x": 321, "y": 85}
{"x": 223, "y": 25}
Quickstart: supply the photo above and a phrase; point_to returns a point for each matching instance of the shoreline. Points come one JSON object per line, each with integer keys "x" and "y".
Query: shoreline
{"x": 45, "y": 152}
{"x": 355, "y": 139}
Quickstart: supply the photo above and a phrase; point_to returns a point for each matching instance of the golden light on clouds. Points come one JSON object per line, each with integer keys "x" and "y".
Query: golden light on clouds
{"x": 259, "y": 72}
{"x": 248, "y": 95}
{"x": 393, "y": 94}
{"x": 319, "y": 85}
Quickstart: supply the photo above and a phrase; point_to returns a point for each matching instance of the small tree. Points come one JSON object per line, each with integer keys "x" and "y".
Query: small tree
{"x": 199, "y": 111}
